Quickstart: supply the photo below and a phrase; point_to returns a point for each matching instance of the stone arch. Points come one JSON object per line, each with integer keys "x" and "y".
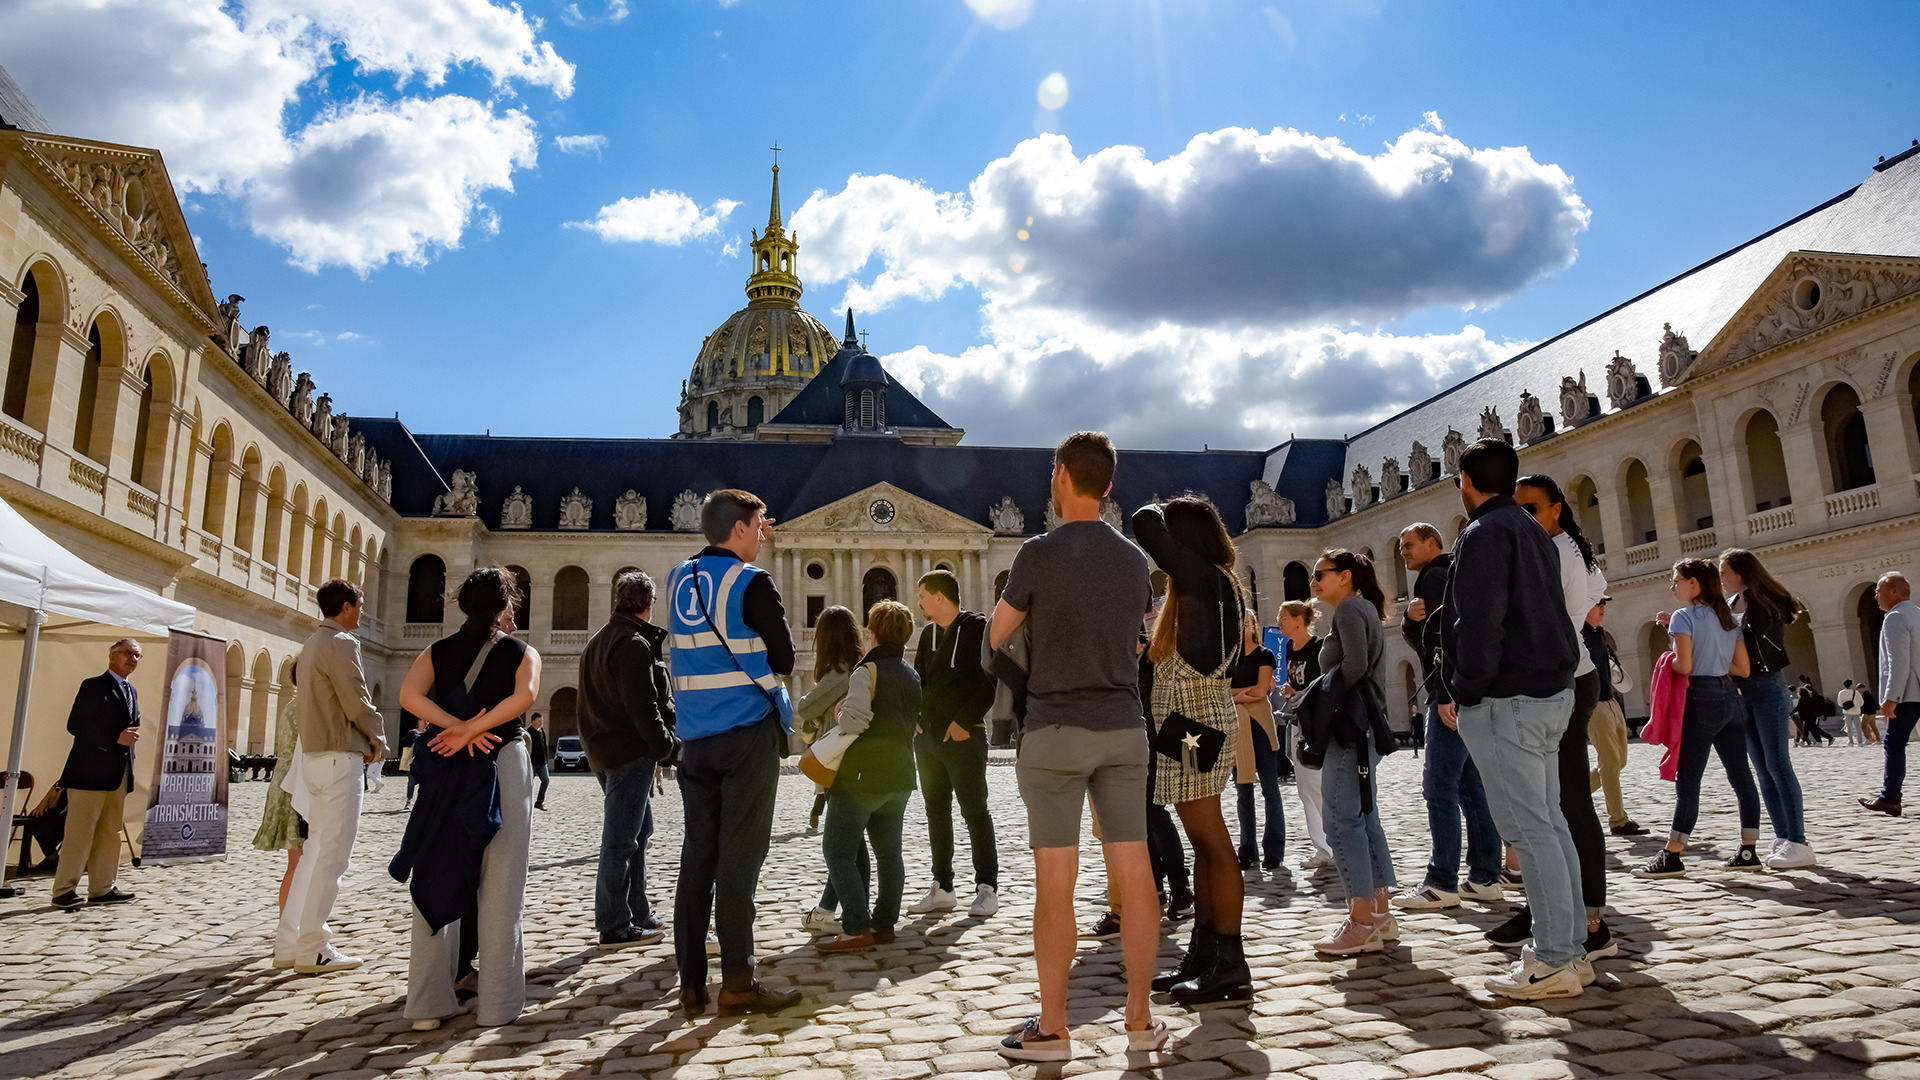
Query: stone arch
{"x": 1692, "y": 498}
{"x": 1397, "y": 588}
{"x": 427, "y": 590}
{"x": 570, "y": 587}
{"x": 99, "y": 392}
{"x": 1866, "y": 617}
{"x": 336, "y": 556}
{"x": 369, "y": 565}
{"x": 876, "y": 585}
{"x": 236, "y": 674}
{"x": 153, "y": 423}
{"x": 317, "y": 560}
{"x": 384, "y": 574}
{"x": 1843, "y": 439}
{"x": 1583, "y": 497}
{"x": 1764, "y": 465}
{"x": 259, "y": 711}
{"x": 356, "y": 566}
{"x": 33, "y": 354}
{"x": 273, "y": 538}
{"x": 296, "y": 547}
{"x": 522, "y": 611}
{"x": 1639, "y": 503}
{"x": 1458, "y": 526}
{"x": 563, "y": 713}
{"x": 1296, "y": 581}
{"x": 246, "y": 518}
{"x": 213, "y": 516}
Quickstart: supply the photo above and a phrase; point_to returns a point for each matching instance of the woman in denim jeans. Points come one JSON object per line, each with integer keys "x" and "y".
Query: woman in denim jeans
{"x": 1765, "y": 609}
{"x": 1707, "y": 648}
{"x": 1344, "y": 581}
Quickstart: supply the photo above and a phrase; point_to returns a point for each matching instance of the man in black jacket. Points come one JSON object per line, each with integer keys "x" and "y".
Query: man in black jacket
{"x": 951, "y": 745}
{"x": 626, "y": 727}
{"x": 105, "y": 723}
{"x": 1509, "y": 655}
{"x": 1450, "y": 781}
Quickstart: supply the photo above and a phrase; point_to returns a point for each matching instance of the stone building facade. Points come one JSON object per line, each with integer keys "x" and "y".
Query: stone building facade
{"x": 1766, "y": 399}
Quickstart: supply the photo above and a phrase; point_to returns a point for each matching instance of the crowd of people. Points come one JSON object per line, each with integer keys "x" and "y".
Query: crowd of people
{"x": 1142, "y": 686}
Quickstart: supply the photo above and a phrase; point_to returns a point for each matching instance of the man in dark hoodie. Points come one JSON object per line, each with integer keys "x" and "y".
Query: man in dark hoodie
{"x": 1508, "y": 657}
{"x": 626, "y": 727}
{"x": 951, "y": 747}
{"x": 1450, "y": 782}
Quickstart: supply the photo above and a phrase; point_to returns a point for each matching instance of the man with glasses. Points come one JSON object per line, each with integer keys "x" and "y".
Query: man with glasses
{"x": 105, "y": 723}
{"x": 1450, "y": 782}
{"x": 1509, "y": 655}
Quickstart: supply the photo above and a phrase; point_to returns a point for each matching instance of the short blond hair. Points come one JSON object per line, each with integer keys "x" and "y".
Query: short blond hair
{"x": 890, "y": 623}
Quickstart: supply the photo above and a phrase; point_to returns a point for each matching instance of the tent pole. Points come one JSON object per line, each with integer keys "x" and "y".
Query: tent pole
{"x": 18, "y": 744}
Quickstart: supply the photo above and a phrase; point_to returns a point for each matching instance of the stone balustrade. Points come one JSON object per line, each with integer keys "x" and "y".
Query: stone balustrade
{"x": 1856, "y": 501}
{"x": 1700, "y": 540}
{"x": 1645, "y": 553}
{"x": 1766, "y": 521}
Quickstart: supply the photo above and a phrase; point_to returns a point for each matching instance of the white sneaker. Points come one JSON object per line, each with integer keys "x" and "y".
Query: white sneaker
{"x": 1530, "y": 979}
{"x": 820, "y": 921}
{"x": 1490, "y": 893}
{"x": 1791, "y": 856}
{"x": 986, "y": 901}
{"x": 1426, "y": 898}
{"x": 1583, "y": 969}
{"x": 331, "y": 959}
{"x": 937, "y": 899}
{"x": 1318, "y": 862}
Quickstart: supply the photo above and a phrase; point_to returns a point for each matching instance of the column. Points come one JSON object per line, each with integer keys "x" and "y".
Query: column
{"x": 839, "y": 585}
{"x": 1896, "y": 447}
{"x": 1806, "y": 455}
{"x": 231, "y": 520}
{"x": 126, "y": 419}
{"x": 1666, "y": 514}
{"x": 969, "y": 573}
{"x": 540, "y": 589}
{"x": 600, "y": 601}
{"x": 856, "y": 587}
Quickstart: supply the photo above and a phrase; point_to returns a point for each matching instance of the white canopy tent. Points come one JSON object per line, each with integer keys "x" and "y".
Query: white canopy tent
{"x": 39, "y": 579}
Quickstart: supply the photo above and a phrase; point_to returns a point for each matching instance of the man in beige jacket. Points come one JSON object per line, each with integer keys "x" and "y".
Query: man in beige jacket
{"x": 340, "y": 733}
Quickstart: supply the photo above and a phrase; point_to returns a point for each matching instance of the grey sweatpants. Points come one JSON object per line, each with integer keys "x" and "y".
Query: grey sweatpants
{"x": 503, "y": 890}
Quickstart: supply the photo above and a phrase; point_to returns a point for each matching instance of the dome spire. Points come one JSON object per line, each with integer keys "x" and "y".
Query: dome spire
{"x": 774, "y": 223}
{"x": 775, "y": 280}
{"x": 850, "y": 340}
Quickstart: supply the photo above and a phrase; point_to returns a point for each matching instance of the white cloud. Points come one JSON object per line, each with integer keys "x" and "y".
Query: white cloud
{"x": 999, "y": 14}
{"x": 658, "y": 217}
{"x": 1229, "y": 293}
{"x": 257, "y": 116}
{"x": 580, "y": 144}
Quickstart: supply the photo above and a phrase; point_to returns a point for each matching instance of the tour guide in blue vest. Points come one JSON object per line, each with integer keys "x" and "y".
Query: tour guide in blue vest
{"x": 730, "y": 647}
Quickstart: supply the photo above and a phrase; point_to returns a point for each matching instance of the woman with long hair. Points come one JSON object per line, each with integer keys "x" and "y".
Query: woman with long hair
{"x": 1303, "y": 666}
{"x": 1708, "y": 650}
{"x": 1344, "y": 581}
{"x": 469, "y": 886}
{"x": 836, "y": 652}
{"x": 1196, "y": 641}
{"x": 1256, "y": 759}
{"x": 1584, "y": 587}
{"x": 1765, "y": 609}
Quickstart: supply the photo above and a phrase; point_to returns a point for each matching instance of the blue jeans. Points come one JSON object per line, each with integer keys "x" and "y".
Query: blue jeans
{"x": 1451, "y": 784}
{"x": 1266, "y": 768}
{"x": 1516, "y": 743}
{"x": 620, "y": 889}
{"x": 1768, "y": 704}
{"x": 852, "y": 821}
{"x": 1899, "y": 730}
{"x": 1359, "y": 844}
{"x": 1714, "y": 723}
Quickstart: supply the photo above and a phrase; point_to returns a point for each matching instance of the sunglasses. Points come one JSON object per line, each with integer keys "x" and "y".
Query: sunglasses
{"x": 1319, "y": 572}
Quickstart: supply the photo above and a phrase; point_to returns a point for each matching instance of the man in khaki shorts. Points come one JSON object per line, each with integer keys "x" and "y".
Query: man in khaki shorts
{"x": 1082, "y": 590}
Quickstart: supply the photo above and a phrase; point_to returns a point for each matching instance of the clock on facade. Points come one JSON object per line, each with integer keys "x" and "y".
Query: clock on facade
{"x": 881, "y": 511}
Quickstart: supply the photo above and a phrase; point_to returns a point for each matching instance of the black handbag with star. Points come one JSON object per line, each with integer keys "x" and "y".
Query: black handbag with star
{"x": 1188, "y": 741}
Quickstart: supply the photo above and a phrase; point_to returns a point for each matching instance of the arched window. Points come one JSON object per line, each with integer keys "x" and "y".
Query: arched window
{"x": 756, "y": 411}
{"x": 1640, "y": 527}
{"x": 522, "y": 611}
{"x": 713, "y": 415}
{"x": 1767, "y": 463}
{"x": 257, "y": 711}
{"x": 570, "y": 599}
{"x": 866, "y": 408}
{"x": 297, "y": 533}
{"x": 89, "y": 395}
{"x": 999, "y": 585}
{"x": 1296, "y": 582}
{"x": 427, "y": 590}
{"x": 564, "y": 713}
{"x": 213, "y": 519}
{"x": 248, "y": 516}
{"x": 143, "y": 429}
{"x": 271, "y": 544}
{"x": 1869, "y": 617}
{"x": 317, "y": 564}
{"x": 1586, "y": 509}
{"x": 1398, "y": 591}
{"x": 1696, "y": 502}
{"x": 877, "y": 585}
{"x": 26, "y": 337}
{"x": 1849, "y": 458}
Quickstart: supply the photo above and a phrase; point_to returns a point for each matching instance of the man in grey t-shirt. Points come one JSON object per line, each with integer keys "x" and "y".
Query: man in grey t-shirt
{"x": 1082, "y": 590}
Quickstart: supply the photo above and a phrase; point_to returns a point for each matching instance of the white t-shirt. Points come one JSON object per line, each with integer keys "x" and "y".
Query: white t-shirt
{"x": 1583, "y": 589}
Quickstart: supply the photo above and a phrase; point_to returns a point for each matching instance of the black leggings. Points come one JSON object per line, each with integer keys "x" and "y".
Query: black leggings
{"x": 1576, "y": 796}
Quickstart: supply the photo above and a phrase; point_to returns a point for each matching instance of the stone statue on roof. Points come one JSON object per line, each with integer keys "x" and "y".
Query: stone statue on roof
{"x": 1005, "y": 518}
{"x": 576, "y": 511}
{"x": 630, "y": 512}
{"x": 1362, "y": 487}
{"x": 1490, "y": 425}
{"x": 685, "y": 516}
{"x": 1451, "y": 447}
{"x": 1531, "y": 425}
{"x": 1623, "y": 382}
{"x": 1389, "y": 478}
{"x": 462, "y": 499}
{"x": 1576, "y": 405}
{"x": 1420, "y": 464}
{"x": 517, "y": 511}
{"x": 1675, "y": 356}
{"x": 1268, "y": 507}
{"x": 1336, "y": 500}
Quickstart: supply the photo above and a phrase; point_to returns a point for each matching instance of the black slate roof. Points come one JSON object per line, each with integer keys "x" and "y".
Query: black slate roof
{"x": 820, "y": 402}
{"x": 16, "y": 110}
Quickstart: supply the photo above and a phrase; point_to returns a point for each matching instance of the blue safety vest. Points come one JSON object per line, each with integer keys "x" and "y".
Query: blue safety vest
{"x": 721, "y": 679}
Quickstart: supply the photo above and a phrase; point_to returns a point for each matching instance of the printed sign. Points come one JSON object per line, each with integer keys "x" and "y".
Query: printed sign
{"x": 187, "y": 820}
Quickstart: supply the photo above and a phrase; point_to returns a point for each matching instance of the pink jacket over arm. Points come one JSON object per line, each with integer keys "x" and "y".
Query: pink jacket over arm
{"x": 1667, "y": 698}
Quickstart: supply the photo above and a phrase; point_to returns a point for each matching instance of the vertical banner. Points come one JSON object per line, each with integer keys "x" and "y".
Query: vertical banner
{"x": 187, "y": 820}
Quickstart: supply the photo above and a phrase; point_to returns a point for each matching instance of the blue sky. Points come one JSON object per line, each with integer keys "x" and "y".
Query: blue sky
{"x": 345, "y": 164}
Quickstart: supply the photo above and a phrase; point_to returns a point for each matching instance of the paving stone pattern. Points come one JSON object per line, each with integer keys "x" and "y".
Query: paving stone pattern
{"x": 1724, "y": 974}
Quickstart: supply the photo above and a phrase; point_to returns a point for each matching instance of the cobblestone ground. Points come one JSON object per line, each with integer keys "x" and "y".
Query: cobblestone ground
{"x": 1723, "y": 974}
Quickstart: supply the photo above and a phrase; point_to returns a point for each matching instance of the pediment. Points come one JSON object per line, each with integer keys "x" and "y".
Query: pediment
{"x": 1808, "y": 292}
{"x": 911, "y": 515}
{"x": 127, "y": 192}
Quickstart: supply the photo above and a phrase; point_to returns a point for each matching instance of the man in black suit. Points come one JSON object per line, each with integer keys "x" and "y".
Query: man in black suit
{"x": 105, "y": 723}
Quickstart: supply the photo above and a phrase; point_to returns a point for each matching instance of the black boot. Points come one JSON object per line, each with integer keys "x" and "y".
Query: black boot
{"x": 1228, "y": 982}
{"x": 1199, "y": 959}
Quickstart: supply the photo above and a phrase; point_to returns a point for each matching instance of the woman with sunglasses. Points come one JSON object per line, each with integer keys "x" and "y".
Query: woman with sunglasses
{"x": 1708, "y": 650}
{"x": 1344, "y": 581}
{"x": 1196, "y": 641}
{"x": 1584, "y": 586}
